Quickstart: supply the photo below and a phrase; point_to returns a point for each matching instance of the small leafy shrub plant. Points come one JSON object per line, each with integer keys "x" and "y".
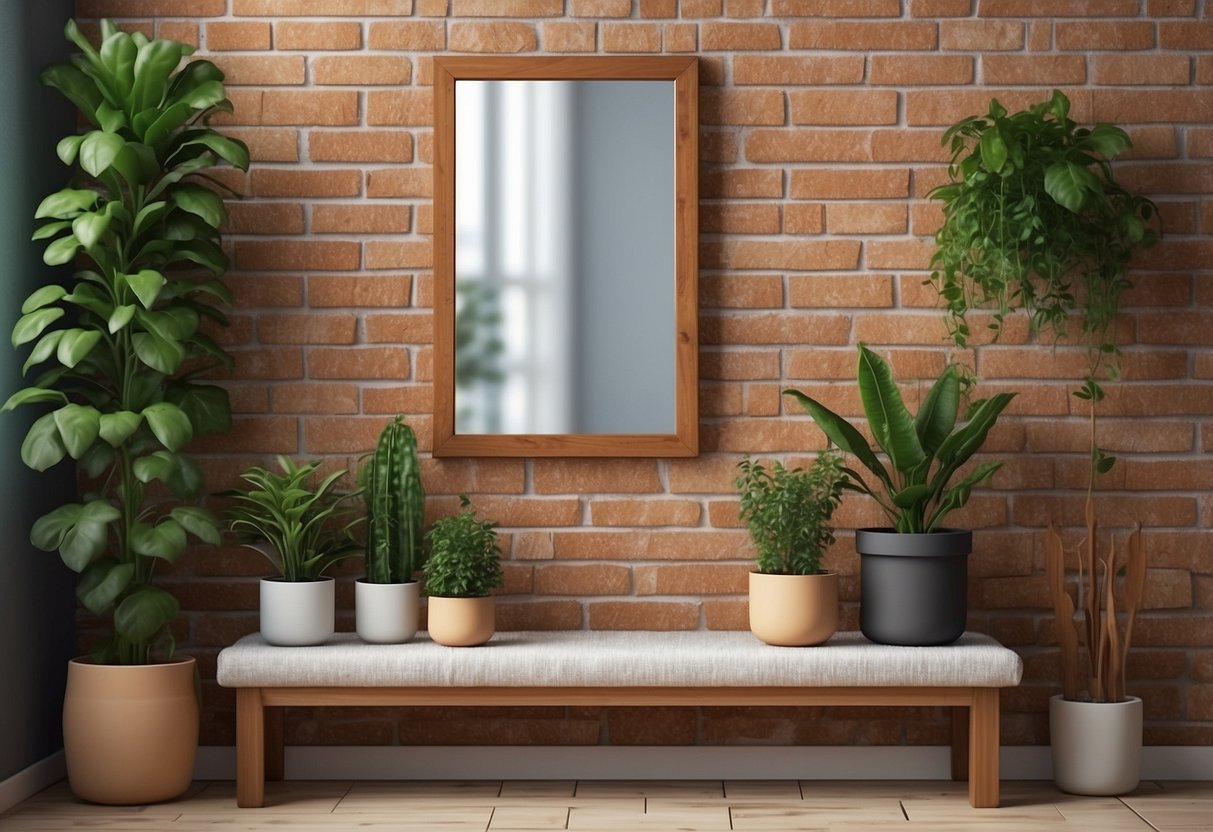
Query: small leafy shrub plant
{"x": 464, "y": 560}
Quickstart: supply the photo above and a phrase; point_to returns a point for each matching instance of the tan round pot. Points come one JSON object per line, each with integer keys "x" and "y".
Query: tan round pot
{"x": 462, "y": 622}
{"x": 793, "y": 610}
{"x": 130, "y": 733}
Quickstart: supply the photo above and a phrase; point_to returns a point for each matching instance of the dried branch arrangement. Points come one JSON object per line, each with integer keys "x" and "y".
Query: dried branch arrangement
{"x": 1094, "y": 648}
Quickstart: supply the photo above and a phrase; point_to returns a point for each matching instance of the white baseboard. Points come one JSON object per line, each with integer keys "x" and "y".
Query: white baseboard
{"x": 32, "y": 779}
{"x": 713, "y": 762}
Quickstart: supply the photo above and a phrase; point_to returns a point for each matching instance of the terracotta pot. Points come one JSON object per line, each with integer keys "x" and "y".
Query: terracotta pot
{"x": 297, "y": 613}
{"x": 130, "y": 732}
{"x": 386, "y": 613}
{"x": 462, "y": 622}
{"x": 793, "y": 610}
{"x": 1096, "y": 745}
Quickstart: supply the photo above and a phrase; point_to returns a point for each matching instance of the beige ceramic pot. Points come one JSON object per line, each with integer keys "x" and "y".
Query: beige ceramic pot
{"x": 130, "y": 733}
{"x": 1096, "y": 746}
{"x": 793, "y": 610}
{"x": 462, "y": 622}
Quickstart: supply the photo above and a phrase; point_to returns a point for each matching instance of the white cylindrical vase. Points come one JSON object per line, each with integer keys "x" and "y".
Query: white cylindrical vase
{"x": 1096, "y": 745}
{"x": 297, "y": 613}
{"x": 386, "y": 613}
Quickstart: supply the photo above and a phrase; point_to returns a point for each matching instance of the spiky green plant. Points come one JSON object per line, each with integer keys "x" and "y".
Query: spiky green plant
{"x": 395, "y": 504}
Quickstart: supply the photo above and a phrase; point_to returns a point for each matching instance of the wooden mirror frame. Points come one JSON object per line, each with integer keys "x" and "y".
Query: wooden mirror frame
{"x": 684, "y": 73}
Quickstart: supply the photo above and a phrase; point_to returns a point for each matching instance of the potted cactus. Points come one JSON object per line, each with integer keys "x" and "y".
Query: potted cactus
{"x": 387, "y": 601}
{"x": 793, "y": 601}
{"x": 463, "y": 568}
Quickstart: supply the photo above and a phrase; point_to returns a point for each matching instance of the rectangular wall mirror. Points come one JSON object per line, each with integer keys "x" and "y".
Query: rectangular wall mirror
{"x": 565, "y": 256}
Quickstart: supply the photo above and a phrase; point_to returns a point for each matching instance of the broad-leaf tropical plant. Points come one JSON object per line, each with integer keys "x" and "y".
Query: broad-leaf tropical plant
{"x": 301, "y": 529}
{"x": 924, "y": 452}
{"x": 121, "y": 345}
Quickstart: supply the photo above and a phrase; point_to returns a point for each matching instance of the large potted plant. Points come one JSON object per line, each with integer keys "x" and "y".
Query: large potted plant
{"x": 1035, "y": 220}
{"x": 793, "y": 601}
{"x": 120, "y": 348}
{"x": 302, "y": 530}
{"x": 387, "y": 602}
{"x": 464, "y": 566}
{"x": 914, "y": 573}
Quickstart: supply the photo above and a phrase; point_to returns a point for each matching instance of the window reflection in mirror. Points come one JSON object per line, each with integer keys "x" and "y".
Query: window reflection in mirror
{"x": 564, "y": 251}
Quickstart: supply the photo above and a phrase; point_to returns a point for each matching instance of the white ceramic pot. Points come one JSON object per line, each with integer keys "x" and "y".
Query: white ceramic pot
{"x": 462, "y": 622}
{"x": 386, "y": 613}
{"x": 297, "y": 613}
{"x": 130, "y": 732}
{"x": 1096, "y": 745}
{"x": 793, "y": 610}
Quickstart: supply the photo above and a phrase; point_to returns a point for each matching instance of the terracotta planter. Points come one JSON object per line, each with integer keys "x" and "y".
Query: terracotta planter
{"x": 386, "y": 613}
{"x": 793, "y": 610}
{"x": 297, "y": 613}
{"x": 913, "y": 587}
{"x": 1096, "y": 745}
{"x": 130, "y": 732}
{"x": 462, "y": 622}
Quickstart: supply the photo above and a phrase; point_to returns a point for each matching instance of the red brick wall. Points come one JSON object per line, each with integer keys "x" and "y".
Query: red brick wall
{"x": 820, "y": 136}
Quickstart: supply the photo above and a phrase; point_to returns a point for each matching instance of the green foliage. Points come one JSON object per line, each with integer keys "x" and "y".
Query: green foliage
{"x": 124, "y": 340}
{"x": 788, "y": 512}
{"x": 1035, "y": 220}
{"x": 395, "y": 503}
{"x": 301, "y": 530}
{"x": 465, "y": 561}
{"x": 924, "y": 451}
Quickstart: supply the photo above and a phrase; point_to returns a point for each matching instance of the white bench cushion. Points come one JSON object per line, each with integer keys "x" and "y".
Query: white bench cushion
{"x": 583, "y": 658}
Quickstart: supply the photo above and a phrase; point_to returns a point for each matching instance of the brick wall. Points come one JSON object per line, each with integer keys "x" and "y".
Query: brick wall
{"x": 820, "y": 136}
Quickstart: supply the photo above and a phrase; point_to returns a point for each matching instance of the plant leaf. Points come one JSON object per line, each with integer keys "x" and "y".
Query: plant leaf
{"x": 78, "y": 426}
{"x": 169, "y": 424}
{"x": 42, "y": 446}
{"x": 1069, "y": 185}
{"x": 115, "y": 428}
{"x": 144, "y": 613}
{"x": 842, "y": 434}
{"x": 75, "y": 344}
{"x": 146, "y": 284}
{"x": 102, "y": 583}
{"x": 891, "y": 424}
{"x": 937, "y": 413}
{"x": 32, "y": 395}
{"x": 98, "y": 150}
{"x": 30, "y": 326}
{"x": 65, "y": 204}
{"x": 199, "y": 522}
{"x": 43, "y": 296}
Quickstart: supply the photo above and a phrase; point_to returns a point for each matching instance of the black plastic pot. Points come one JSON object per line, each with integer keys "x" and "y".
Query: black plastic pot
{"x": 913, "y": 587}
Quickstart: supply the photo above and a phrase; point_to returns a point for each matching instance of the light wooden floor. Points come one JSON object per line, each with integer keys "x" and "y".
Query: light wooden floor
{"x": 646, "y": 806}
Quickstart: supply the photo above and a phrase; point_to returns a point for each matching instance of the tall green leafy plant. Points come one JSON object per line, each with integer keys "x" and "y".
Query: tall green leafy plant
{"x": 395, "y": 505}
{"x": 788, "y": 512}
{"x": 1034, "y": 219}
{"x": 302, "y": 530}
{"x": 924, "y": 452}
{"x": 121, "y": 345}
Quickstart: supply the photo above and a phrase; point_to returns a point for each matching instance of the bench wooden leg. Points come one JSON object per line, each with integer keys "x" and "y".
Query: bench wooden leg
{"x": 274, "y": 750}
{"x": 983, "y": 749}
{"x": 250, "y": 749}
{"x": 960, "y": 743}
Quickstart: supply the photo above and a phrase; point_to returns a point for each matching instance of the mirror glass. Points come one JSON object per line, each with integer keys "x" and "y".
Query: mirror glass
{"x": 564, "y": 257}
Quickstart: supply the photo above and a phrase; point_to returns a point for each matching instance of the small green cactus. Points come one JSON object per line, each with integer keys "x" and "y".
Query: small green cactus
{"x": 395, "y": 503}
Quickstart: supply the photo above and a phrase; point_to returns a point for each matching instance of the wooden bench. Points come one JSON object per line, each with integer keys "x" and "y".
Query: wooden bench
{"x": 570, "y": 668}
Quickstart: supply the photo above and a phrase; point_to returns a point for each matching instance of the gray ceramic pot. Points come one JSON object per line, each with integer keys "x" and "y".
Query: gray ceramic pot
{"x": 913, "y": 587}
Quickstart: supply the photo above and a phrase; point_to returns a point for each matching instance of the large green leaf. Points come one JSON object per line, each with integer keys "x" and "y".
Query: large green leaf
{"x": 115, "y": 428}
{"x": 993, "y": 150}
{"x": 50, "y": 229}
{"x": 165, "y": 540}
{"x": 169, "y": 423}
{"x": 42, "y": 446}
{"x": 198, "y": 522}
{"x": 937, "y": 413}
{"x": 891, "y": 424}
{"x": 75, "y": 86}
{"x": 78, "y": 426}
{"x": 200, "y": 202}
{"x": 146, "y": 284}
{"x": 153, "y": 65}
{"x": 118, "y": 56}
{"x": 80, "y": 532}
{"x": 157, "y": 353}
{"x": 145, "y": 613}
{"x": 177, "y": 471}
{"x": 120, "y": 317}
{"x": 207, "y": 406}
{"x": 161, "y": 121}
{"x": 1070, "y": 185}
{"x": 233, "y": 151}
{"x": 90, "y": 227}
{"x": 30, "y": 326}
{"x": 842, "y": 434}
{"x": 98, "y": 150}
{"x": 32, "y": 395}
{"x": 75, "y": 345}
{"x": 66, "y": 203}
{"x": 43, "y": 350}
{"x": 956, "y": 496}
{"x": 61, "y": 251}
{"x": 42, "y": 296}
{"x": 102, "y": 583}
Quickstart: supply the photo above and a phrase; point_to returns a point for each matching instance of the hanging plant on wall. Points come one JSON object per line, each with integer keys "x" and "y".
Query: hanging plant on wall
{"x": 121, "y": 345}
